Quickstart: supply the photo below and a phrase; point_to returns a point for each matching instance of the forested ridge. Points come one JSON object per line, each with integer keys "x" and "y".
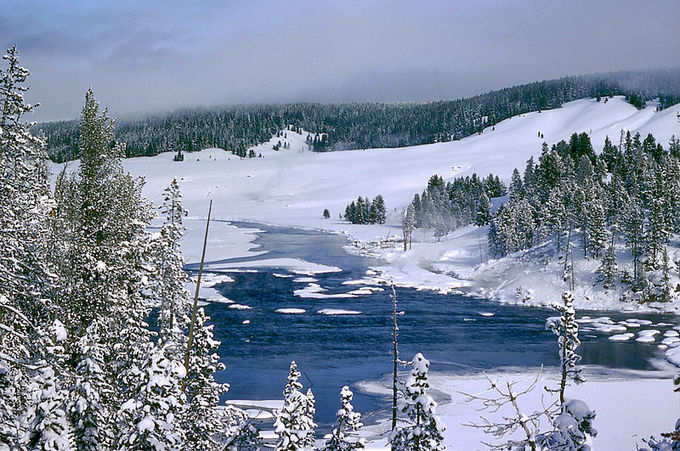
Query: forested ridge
{"x": 361, "y": 125}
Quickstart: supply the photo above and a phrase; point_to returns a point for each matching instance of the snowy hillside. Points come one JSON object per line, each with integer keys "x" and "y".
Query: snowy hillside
{"x": 293, "y": 186}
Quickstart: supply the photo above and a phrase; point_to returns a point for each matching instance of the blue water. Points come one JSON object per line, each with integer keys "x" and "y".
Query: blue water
{"x": 332, "y": 351}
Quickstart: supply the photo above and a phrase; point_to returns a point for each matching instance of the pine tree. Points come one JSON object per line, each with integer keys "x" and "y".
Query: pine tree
{"x": 344, "y": 434}
{"x": 515, "y": 186}
{"x": 573, "y": 426}
{"x": 90, "y": 389}
{"x": 377, "y": 211}
{"x": 294, "y": 423}
{"x": 203, "y": 420}
{"x": 50, "y": 428}
{"x": 597, "y": 231}
{"x": 148, "y": 419}
{"x": 608, "y": 270}
{"x": 423, "y": 431}
{"x": 566, "y": 329}
{"x": 104, "y": 252}
{"x": 408, "y": 225}
{"x": 484, "y": 211}
{"x": 32, "y": 394}
{"x": 170, "y": 281}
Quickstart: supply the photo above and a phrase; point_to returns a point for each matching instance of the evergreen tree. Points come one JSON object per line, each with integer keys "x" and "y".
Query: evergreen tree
{"x": 294, "y": 423}
{"x": 377, "y": 211}
{"x": 566, "y": 329}
{"x": 148, "y": 419}
{"x": 32, "y": 395}
{"x": 203, "y": 420}
{"x": 89, "y": 392}
{"x": 484, "y": 211}
{"x": 408, "y": 225}
{"x": 608, "y": 270}
{"x": 515, "y": 185}
{"x": 423, "y": 431}
{"x": 344, "y": 434}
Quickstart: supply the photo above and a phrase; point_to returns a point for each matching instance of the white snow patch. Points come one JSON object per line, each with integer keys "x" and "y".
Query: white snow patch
{"x": 315, "y": 291}
{"x": 647, "y": 336}
{"x": 337, "y": 311}
{"x": 622, "y": 337}
{"x": 290, "y": 311}
{"x": 240, "y": 307}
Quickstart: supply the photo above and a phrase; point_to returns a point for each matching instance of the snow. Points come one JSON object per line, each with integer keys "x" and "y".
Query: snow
{"x": 59, "y": 331}
{"x": 487, "y": 314}
{"x": 146, "y": 425}
{"x": 294, "y": 265}
{"x": 622, "y": 337}
{"x": 292, "y": 187}
{"x": 290, "y": 311}
{"x": 305, "y": 280}
{"x": 240, "y": 307}
{"x": 619, "y": 426}
{"x": 315, "y": 291}
{"x": 337, "y": 311}
{"x": 647, "y": 336}
{"x": 673, "y": 355}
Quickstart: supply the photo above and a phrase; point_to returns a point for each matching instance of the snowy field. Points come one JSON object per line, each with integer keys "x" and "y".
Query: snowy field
{"x": 629, "y": 405}
{"x": 292, "y": 187}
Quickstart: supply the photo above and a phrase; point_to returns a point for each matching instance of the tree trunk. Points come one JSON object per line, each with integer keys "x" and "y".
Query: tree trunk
{"x": 195, "y": 307}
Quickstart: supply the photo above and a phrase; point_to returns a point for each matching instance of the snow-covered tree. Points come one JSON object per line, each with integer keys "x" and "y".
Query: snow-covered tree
{"x": 170, "y": 281}
{"x": 90, "y": 389}
{"x": 573, "y": 425}
{"x": 203, "y": 419}
{"x": 26, "y": 278}
{"x": 483, "y": 211}
{"x": 423, "y": 429}
{"x": 149, "y": 418}
{"x": 49, "y": 428}
{"x": 408, "y": 225}
{"x": 344, "y": 437}
{"x": 566, "y": 329}
{"x": 294, "y": 423}
{"x": 608, "y": 270}
{"x": 573, "y": 428}
{"x": 103, "y": 252}
{"x": 377, "y": 211}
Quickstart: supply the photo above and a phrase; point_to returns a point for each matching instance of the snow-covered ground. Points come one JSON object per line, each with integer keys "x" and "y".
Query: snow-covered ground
{"x": 292, "y": 187}
{"x": 629, "y": 405}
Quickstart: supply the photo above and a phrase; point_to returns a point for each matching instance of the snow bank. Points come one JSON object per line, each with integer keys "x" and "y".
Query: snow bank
{"x": 619, "y": 426}
{"x": 292, "y": 187}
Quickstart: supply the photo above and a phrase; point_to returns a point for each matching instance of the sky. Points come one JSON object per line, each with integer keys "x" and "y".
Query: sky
{"x": 160, "y": 55}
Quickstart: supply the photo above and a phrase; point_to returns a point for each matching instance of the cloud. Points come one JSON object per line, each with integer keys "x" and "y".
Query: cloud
{"x": 159, "y": 55}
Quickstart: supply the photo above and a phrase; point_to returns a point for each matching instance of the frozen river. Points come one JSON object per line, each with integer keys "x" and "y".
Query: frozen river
{"x": 457, "y": 333}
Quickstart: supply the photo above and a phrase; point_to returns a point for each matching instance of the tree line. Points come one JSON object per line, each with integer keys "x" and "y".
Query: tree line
{"x": 627, "y": 197}
{"x": 360, "y": 125}
{"x": 445, "y": 206}
{"x": 365, "y": 211}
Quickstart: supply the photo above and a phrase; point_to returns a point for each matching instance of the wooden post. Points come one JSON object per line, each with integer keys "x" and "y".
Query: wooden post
{"x": 193, "y": 313}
